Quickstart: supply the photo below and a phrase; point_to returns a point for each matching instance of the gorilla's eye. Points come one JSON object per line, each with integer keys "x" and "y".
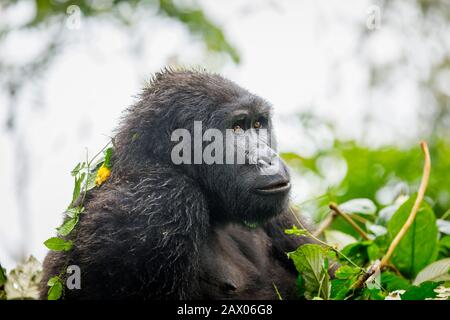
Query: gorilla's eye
{"x": 239, "y": 126}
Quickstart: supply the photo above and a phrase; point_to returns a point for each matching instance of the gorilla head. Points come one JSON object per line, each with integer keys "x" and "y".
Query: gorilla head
{"x": 192, "y": 115}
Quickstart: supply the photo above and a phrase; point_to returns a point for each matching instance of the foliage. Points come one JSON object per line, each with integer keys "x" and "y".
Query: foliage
{"x": 53, "y": 19}
{"x": 85, "y": 176}
{"x": 419, "y": 267}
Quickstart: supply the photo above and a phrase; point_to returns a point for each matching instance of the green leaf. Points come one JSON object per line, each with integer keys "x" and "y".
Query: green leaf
{"x": 309, "y": 261}
{"x": 346, "y": 272}
{"x": 357, "y": 252}
{"x": 374, "y": 252}
{"x": 418, "y": 246}
{"x": 77, "y": 169}
{"x": 422, "y": 292}
{"x": 437, "y": 271}
{"x": 345, "y": 277}
{"x": 392, "y": 282}
{"x": 340, "y": 288}
{"x": 68, "y": 226}
{"x": 58, "y": 244}
{"x": 108, "y": 154}
{"x": 295, "y": 231}
{"x": 56, "y": 288}
{"x": 300, "y": 287}
{"x": 444, "y": 247}
{"x": 53, "y": 280}
{"x": 90, "y": 181}
{"x": 373, "y": 294}
{"x": 77, "y": 187}
{"x": 74, "y": 212}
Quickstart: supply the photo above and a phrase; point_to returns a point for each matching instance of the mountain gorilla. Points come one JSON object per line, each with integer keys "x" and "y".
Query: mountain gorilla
{"x": 160, "y": 230}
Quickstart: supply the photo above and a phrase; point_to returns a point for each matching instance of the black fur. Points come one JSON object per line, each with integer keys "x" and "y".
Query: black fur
{"x": 155, "y": 230}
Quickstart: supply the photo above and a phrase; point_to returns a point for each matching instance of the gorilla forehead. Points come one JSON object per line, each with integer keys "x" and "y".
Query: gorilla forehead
{"x": 196, "y": 89}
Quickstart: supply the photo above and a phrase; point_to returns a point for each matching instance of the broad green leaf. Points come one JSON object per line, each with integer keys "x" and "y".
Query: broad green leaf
{"x": 340, "y": 288}
{"x": 392, "y": 282}
{"x": 362, "y": 206}
{"x": 374, "y": 252}
{"x": 56, "y": 288}
{"x": 357, "y": 252}
{"x": 68, "y": 226}
{"x": 58, "y": 244}
{"x": 418, "y": 247}
{"x": 346, "y": 272}
{"x": 53, "y": 280}
{"x": 300, "y": 287}
{"x": 338, "y": 239}
{"x": 373, "y": 294}
{"x": 309, "y": 261}
{"x": 345, "y": 277}
{"x": 437, "y": 271}
{"x": 423, "y": 291}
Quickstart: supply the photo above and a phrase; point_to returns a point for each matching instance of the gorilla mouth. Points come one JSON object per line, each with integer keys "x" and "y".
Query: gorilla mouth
{"x": 275, "y": 188}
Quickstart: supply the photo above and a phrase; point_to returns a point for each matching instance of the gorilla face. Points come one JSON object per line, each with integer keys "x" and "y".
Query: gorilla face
{"x": 252, "y": 184}
{"x": 251, "y": 187}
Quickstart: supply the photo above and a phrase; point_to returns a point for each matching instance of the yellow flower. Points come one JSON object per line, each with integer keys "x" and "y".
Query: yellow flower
{"x": 102, "y": 175}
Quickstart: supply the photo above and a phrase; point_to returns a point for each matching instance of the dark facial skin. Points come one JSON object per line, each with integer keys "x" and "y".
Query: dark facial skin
{"x": 255, "y": 191}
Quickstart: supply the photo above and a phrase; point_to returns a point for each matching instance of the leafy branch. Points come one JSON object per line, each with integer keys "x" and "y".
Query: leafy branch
{"x": 86, "y": 176}
{"x": 420, "y": 196}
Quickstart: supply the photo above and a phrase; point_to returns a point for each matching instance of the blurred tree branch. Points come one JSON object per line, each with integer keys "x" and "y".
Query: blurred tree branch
{"x": 50, "y": 15}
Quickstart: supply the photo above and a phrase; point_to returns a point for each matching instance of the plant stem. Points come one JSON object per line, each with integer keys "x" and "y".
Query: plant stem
{"x": 325, "y": 224}
{"x": 415, "y": 209}
{"x": 420, "y": 195}
{"x": 322, "y": 242}
{"x": 333, "y": 206}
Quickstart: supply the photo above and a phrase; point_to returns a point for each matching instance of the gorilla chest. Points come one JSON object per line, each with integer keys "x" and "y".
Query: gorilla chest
{"x": 237, "y": 263}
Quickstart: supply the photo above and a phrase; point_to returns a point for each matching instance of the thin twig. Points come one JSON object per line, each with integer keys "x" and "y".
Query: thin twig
{"x": 359, "y": 218}
{"x": 325, "y": 224}
{"x": 420, "y": 195}
{"x": 276, "y": 291}
{"x": 333, "y": 206}
{"x": 301, "y": 225}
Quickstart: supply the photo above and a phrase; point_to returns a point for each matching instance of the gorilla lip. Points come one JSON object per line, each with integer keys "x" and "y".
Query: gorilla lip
{"x": 274, "y": 188}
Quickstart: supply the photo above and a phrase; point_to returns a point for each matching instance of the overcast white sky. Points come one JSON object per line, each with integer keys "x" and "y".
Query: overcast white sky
{"x": 299, "y": 55}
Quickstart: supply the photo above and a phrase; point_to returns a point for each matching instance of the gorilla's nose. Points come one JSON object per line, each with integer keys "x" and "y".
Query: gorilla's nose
{"x": 266, "y": 157}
